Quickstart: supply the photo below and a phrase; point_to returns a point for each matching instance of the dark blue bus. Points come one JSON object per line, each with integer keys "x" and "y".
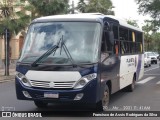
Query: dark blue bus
{"x": 78, "y": 58}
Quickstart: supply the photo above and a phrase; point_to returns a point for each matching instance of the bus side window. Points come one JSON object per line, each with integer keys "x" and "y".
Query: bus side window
{"x": 122, "y": 45}
{"x": 115, "y": 31}
{"x": 103, "y": 46}
{"x": 106, "y": 45}
{"x": 116, "y": 47}
{"x": 124, "y": 42}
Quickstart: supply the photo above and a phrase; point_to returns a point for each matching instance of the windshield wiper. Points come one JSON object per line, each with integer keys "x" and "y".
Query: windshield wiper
{"x": 46, "y": 54}
{"x": 54, "y": 48}
{"x": 62, "y": 45}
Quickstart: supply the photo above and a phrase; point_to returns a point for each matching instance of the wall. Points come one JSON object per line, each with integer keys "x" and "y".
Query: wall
{"x": 16, "y": 46}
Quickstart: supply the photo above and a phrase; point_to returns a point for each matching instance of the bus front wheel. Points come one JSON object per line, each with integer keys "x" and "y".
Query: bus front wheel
{"x": 40, "y": 104}
{"x": 103, "y": 104}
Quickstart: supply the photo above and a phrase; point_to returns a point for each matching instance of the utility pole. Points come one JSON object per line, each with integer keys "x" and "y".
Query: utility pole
{"x": 6, "y": 62}
{"x": 72, "y": 7}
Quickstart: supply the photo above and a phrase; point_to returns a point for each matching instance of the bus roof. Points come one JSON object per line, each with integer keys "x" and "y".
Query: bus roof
{"x": 124, "y": 23}
{"x": 86, "y": 17}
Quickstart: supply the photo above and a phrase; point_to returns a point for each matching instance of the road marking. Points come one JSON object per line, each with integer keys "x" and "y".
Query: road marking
{"x": 151, "y": 69}
{"x": 158, "y": 82}
{"x": 145, "y": 80}
{"x": 153, "y": 74}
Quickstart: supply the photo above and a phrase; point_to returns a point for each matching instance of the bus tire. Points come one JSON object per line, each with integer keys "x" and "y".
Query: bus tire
{"x": 104, "y": 103}
{"x": 40, "y": 104}
{"x": 155, "y": 62}
{"x": 131, "y": 87}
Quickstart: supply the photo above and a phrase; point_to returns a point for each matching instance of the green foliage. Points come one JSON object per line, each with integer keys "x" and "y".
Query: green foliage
{"x": 82, "y": 6}
{"x": 151, "y": 37}
{"x": 151, "y": 7}
{"x": 29, "y": 8}
{"x": 147, "y": 28}
{"x": 101, "y": 6}
{"x": 133, "y": 23}
{"x": 15, "y": 21}
{"x": 47, "y": 7}
{"x": 155, "y": 46}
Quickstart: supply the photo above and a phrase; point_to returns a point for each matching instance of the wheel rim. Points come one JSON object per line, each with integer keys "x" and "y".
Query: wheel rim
{"x": 105, "y": 100}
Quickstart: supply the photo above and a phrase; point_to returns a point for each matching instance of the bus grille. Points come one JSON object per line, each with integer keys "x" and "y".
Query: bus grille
{"x": 49, "y": 84}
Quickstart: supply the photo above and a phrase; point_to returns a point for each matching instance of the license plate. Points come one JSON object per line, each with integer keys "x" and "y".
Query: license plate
{"x": 51, "y": 95}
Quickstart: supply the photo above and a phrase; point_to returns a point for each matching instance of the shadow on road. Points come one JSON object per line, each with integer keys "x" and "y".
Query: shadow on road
{"x": 59, "y": 110}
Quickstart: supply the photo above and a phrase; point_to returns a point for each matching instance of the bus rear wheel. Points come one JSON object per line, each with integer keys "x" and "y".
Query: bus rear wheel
{"x": 103, "y": 104}
{"x": 131, "y": 87}
{"x": 40, "y": 104}
{"x": 155, "y": 62}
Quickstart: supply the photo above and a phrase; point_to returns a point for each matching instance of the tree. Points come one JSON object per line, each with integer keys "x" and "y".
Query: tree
{"x": 81, "y": 6}
{"x": 29, "y": 8}
{"x": 151, "y": 7}
{"x": 11, "y": 19}
{"x": 102, "y": 6}
{"x": 47, "y": 7}
{"x": 147, "y": 35}
{"x": 156, "y": 42}
{"x": 156, "y": 38}
{"x": 150, "y": 36}
{"x": 133, "y": 23}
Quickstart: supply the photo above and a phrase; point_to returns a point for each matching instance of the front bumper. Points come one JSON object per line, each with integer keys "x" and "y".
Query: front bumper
{"x": 146, "y": 63}
{"x": 65, "y": 95}
{"x": 153, "y": 60}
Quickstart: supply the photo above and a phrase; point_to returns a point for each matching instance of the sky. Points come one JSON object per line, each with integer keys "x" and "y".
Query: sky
{"x": 126, "y": 9}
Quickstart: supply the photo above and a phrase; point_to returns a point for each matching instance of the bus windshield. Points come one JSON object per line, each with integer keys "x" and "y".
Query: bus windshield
{"x": 80, "y": 38}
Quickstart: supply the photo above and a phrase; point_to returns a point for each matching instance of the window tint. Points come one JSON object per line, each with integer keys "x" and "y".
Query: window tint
{"x": 130, "y": 41}
{"x": 127, "y": 41}
{"x": 115, "y": 31}
{"x": 139, "y": 37}
{"x": 123, "y": 34}
{"x": 106, "y": 45}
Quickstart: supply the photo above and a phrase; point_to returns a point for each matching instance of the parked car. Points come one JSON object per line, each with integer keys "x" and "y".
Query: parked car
{"x": 153, "y": 57}
{"x": 147, "y": 60}
{"x": 158, "y": 56}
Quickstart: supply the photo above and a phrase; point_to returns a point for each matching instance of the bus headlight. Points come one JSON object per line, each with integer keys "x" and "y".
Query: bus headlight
{"x": 23, "y": 79}
{"x": 84, "y": 80}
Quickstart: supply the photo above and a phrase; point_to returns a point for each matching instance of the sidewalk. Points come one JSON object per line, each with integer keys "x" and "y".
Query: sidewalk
{"x": 7, "y": 78}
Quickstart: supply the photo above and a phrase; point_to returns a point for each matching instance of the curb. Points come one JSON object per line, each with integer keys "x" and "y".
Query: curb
{"x": 3, "y": 81}
{"x": 6, "y": 78}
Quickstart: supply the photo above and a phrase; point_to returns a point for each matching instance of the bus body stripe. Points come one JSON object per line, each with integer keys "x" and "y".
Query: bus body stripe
{"x": 139, "y": 65}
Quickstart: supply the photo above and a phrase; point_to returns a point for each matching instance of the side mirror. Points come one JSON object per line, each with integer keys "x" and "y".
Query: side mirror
{"x": 111, "y": 37}
{"x": 107, "y": 26}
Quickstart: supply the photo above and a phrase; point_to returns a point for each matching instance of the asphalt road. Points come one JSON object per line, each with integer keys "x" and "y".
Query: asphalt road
{"x": 145, "y": 97}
